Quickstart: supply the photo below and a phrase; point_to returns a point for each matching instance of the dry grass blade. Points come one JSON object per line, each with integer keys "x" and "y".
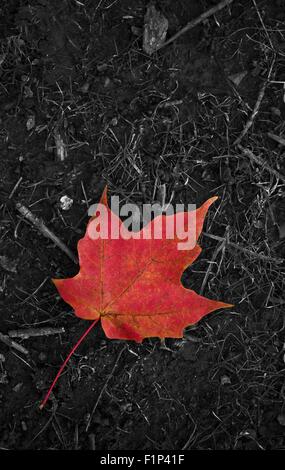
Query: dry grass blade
{"x": 104, "y": 387}
{"x": 259, "y": 161}
{"x": 257, "y": 105}
{"x": 245, "y": 250}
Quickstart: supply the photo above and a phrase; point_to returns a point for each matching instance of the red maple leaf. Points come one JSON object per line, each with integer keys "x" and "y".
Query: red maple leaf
{"x": 133, "y": 285}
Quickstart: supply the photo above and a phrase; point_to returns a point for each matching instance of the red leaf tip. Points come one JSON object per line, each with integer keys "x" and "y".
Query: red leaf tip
{"x": 104, "y": 197}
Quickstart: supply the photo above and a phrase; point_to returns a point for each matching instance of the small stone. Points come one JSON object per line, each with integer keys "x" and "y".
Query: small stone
{"x": 30, "y": 124}
{"x": 18, "y": 387}
{"x": 28, "y": 93}
{"x": 258, "y": 224}
{"x": 102, "y": 67}
{"x": 207, "y": 176}
{"x": 40, "y": 384}
{"x": 155, "y": 29}
{"x": 65, "y": 203}
{"x": 24, "y": 426}
{"x": 85, "y": 87}
{"x": 3, "y": 378}
{"x": 25, "y": 78}
{"x": 136, "y": 31}
{"x": 237, "y": 78}
{"x": 225, "y": 380}
{"x": 107, "y": 82}
{"x": 275, "y": 111}
{"x": 281, "y": 419}
{"x": 114, "y": 121}
{"x": 42, "y": 357}
{"x": 128, "y": 407}
{"x": 250, "y": 433}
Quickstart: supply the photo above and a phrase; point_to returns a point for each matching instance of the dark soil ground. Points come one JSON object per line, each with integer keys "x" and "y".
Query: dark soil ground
{"x": 76, "y": 69}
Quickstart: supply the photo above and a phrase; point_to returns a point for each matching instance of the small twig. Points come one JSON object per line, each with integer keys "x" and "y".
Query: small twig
{"x": 277, "y": 138}
{"x": 9, "y": 342}
{"x": 163, "y": 345}
{"x": 256, "y": 107}
{"x": 192, "y": 338}
{"x": 15, "y": 188}
{"x": 39, "y": 224}
{"x": 104, "y": 388}
{"x": 22, "y": 360}
{"x": 212, "y": 11}
{"x": 244, "y": 250}
{"x": 35, "y": 291}
{"x": 210, "y": 266}
{"x": 189, "y": 441}
{"x": 253, "y": 114}
{"x": 60, "y": 146}
{"x": 42, "y": 429}
{"x": 31, "y": 332}
{"x": 262, "y": 24}
{"x": 259, "y": 161}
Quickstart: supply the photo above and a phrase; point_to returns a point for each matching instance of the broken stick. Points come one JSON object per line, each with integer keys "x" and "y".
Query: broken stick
{"x": 38, "y": 223}
{"x": 277, "y": 138}
{"x": 212, "y": 11}
{"x": 29, "y": 332}
{"x": 9, "y": 342}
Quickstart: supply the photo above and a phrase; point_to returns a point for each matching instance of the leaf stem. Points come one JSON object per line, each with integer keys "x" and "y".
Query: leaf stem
{"x": 43, "y": 403}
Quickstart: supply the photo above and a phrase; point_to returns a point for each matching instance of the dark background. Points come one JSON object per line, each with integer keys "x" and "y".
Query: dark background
{"x": 77, "y": 70}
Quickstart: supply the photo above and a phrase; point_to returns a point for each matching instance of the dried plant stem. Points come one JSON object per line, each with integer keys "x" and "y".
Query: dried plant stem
{"x": 253, "y": 114}
{"x": 259, "y": 161}
{"x": 65, "y": 362}
{"x": 9, "y": 342}
{"x": 262, "y": 24}
{"x": 244, "y": 250}
{"x": 32, "y": 332}
{"x": 255, "y": 110}
{"x": 219, "y": 248}
{"x": 15, "y": 188}
{"x": 277, "y": 138}
{"x": 189, "y": 441}
{"x": 212, "y": 11}
{"x": 39, "y": 224}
